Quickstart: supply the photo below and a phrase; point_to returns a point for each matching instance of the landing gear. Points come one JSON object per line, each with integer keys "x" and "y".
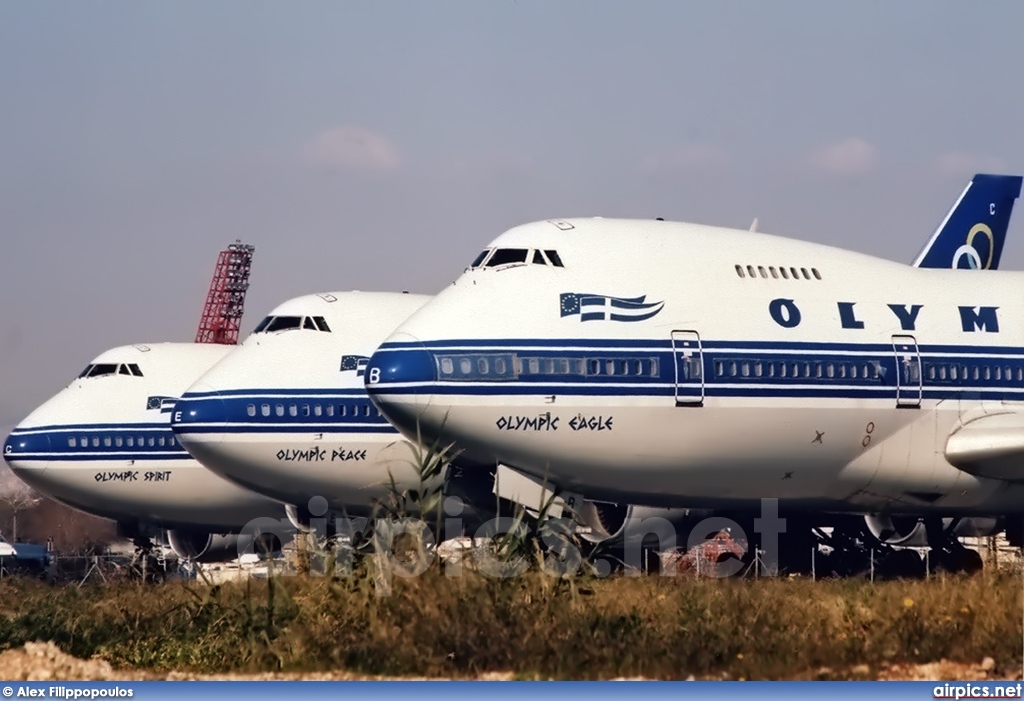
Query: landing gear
{"x": 948, "y": 554}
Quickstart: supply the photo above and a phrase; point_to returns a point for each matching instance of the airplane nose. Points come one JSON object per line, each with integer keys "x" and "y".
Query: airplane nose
{"x": 400, "y": 379}
{"x": 201, "y": 410}
{"x": 26, "y": 449}
{"x": 401, "y": 366}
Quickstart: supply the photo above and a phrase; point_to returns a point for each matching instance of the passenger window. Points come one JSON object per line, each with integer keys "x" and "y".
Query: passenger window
{"x": 534, "y": 364}
{"x": 988, "y": 372}
{"x": 782, "y": 370}
{"x": 745, "y": 369}
{"x": 251, "y": 410}
{"x": 72, "y": 441}
{"x": 581, "y": 367}
{"x": 170, "y": 440}
{"x": 610, "y": 367}
{"x": 719, "y": 368}
{"x": 830, "y": 371}
{"x": 366, "y": 410}
{"x": 130, "y": 440}
{"x": 796, "y": 275}
{"x": 732, "y": 368}
{"x": 942, "y": 372}
{"x": 817, "y": 275}
{"x": 279, "y": 409}
{"x": 481, "y": 366}
{"x": 761, "y": 270}
{"x": 785, "y": 275}
{"x": 804, "y": 271}
{"x": 1009, "y": 374}
{"x": 95, "y": 441}
{"x": 739, "y": 270}
{"x": 931, "y": 372}
{"x": 330, "y": 410}
{"x": 342, "y": 410}
{"x": 853, "y": 372}
{"x": 774, "y": 272}
{"x": 952, "y": 372}
{"x": 161, "y": 441}
{"x": 265, "y": 409}
{"x": 293, "y": 410}
{"x": 118, "y": 441}
{"x": 465, "y": 366}
{"x": 318, "y": 410}
{"x": 842, "y": 371}
{"x": 152, "y": 441}
{"x": 594, "y": 367}
{"x": 549, "y": 366}
{"x": 507, "y": 256}
{"x": 758, "y": 369}
{"x": 305, "y": 409}
{"x": 553, "y": 257}
{"x": 447, "y": 368}
{"x": 564, "y": 366}
{"x": 750, "y": 271}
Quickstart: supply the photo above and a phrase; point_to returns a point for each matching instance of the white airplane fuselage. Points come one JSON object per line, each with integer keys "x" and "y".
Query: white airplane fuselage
{"x": 104, "y": 445}
{"x": 675, "y": 364}
{"x": 287, "y": 414}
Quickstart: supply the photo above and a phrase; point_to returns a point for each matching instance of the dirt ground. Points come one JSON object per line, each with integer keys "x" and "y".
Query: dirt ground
{"x": 46, "y": 662}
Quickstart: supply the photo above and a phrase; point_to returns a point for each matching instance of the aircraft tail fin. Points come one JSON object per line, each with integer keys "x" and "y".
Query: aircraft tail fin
{"x": 974, "y": 231}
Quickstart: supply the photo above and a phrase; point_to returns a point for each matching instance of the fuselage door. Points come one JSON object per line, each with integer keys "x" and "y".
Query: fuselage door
{"x": 689, "y": 362}
{"x": 908, "y": 371}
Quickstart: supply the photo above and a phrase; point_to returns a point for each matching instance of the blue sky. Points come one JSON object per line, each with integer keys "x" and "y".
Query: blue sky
{"x": 379, "y": 145}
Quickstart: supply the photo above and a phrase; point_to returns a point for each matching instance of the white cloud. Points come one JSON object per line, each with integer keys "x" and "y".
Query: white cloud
{"x": 960, "y": 163}
{"x": 691, "y": 157}
{"x": 852, "y": 156}
{"x": 353, "y": 147}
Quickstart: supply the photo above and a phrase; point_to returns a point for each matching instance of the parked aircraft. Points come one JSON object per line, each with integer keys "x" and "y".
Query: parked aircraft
{"x": 680, "y": 365}
{"x": 104, "y": 445}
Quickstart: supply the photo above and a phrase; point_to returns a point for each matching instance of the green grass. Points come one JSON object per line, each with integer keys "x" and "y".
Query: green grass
{"x": 532, "y": 625}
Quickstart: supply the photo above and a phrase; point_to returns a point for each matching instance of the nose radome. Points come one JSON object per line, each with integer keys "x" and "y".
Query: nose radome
{"x": 201, "y": 409}
{"x": 26, "y": 449}
{"x": 402, "y": 365}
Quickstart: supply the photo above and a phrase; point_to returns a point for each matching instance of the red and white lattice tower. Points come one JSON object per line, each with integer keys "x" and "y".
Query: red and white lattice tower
{"x": 225, "y": 303}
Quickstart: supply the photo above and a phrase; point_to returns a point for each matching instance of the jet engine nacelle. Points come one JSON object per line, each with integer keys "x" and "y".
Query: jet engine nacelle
{"x": 909, "y": 531}
{"x": 645, "y": 525}
{"x": 203, "y": 546}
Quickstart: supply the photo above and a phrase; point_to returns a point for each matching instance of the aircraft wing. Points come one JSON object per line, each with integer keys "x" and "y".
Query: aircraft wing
{"x": 990, "y": 446}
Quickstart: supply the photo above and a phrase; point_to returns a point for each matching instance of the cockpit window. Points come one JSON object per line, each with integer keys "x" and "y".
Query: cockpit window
{"x": 100, "y": 369}
{"x": 501, "y": 257}
{"x": 507, "y": 256}
{"x": 480, "y": 258}
{"x": 286, "y": 323}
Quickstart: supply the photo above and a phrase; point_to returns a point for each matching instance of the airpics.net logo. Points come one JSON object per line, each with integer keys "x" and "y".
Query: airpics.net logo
{"x": 977, "y": 691}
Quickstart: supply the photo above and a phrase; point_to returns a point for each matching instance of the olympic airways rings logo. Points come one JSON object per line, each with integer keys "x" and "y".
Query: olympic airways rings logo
{"x": 970, "y": 252}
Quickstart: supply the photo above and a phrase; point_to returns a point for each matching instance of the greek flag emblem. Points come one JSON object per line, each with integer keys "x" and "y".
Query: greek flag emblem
{"x": 591, "y": 307}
